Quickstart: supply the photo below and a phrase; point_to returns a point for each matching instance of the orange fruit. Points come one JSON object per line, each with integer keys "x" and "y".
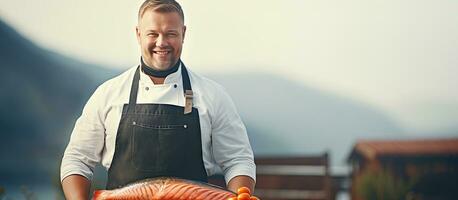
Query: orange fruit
{"x": 243, "y": 196}
{"x": 243, "y": 190}
{"x": 254, "y": 198}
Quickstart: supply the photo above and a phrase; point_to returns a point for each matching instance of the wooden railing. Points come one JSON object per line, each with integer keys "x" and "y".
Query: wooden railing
{"x": 291, "y": 178}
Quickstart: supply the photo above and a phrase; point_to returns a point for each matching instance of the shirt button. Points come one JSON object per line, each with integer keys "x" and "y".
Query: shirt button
{"x": 146, "y": 88}
{"x": 175, "y": 85}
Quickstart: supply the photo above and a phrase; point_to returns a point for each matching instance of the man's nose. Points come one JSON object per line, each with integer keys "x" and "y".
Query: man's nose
{"x": 161, "y": 41}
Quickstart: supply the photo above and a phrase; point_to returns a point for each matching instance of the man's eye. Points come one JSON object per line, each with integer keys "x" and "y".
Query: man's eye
{"x": 152, "y": 34}
{"x": 172, "y": 34}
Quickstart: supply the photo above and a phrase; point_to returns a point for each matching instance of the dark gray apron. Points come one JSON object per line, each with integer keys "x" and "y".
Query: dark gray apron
{"x": 156, "y": 140}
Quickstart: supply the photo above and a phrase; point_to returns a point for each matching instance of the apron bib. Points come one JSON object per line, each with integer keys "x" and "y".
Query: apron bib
{"x": 155, "y": 140}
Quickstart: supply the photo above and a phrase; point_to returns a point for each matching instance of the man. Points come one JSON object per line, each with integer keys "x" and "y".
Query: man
{"x": 158, "y": 119}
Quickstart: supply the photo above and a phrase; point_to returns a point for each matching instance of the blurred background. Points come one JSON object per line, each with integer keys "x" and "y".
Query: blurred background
{"x": 311, "y": 79}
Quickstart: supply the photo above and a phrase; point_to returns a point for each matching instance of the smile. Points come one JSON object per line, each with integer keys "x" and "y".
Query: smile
{"x": 161, "y": 52}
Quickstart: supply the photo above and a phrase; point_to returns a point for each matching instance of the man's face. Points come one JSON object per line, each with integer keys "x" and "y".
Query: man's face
{"x": 160, "y": 36}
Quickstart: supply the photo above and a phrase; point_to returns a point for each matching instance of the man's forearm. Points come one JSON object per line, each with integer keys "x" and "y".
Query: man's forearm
{"x": 241, "y": 181}
{"x": 76, "y": 187}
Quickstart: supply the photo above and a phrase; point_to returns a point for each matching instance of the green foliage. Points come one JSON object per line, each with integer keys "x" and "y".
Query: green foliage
{"x": 382, "y": 185}
{"x": 28, "y": 194}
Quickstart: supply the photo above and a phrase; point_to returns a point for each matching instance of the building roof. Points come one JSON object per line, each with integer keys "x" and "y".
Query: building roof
{"x": 430, "y": 147}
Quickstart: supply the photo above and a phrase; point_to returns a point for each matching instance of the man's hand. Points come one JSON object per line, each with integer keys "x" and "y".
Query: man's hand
{"x": 76, "y": 187}
{"x": 243, "y": 185}
{"x": 240, "y": 181}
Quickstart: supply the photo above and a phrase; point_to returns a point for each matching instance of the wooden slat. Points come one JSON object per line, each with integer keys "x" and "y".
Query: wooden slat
{"x": 296, "y": 170}
{"x": 289, "y": 194}
{"x": 290, "y": 182}
{"x": 309, "y": 160}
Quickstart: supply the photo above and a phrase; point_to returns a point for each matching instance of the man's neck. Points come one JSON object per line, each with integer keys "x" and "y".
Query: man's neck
{"x": 157, "y": 80}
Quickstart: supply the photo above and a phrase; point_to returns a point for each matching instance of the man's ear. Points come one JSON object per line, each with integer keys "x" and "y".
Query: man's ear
{"x": 137, "y": 33}
{"x": 184, "y": 32}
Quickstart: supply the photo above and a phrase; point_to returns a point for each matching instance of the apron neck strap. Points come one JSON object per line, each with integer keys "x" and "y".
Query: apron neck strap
{"x": 185, "y": 78}
{"x": 134, "y": 90}
{"x": 188, "y": 94}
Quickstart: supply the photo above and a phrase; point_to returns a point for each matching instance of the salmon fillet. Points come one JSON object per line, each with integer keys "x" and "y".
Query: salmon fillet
{"x": 165, "y": 189}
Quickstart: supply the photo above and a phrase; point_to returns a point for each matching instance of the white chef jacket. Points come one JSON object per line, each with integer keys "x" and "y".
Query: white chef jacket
{"x": 225, "y": 144}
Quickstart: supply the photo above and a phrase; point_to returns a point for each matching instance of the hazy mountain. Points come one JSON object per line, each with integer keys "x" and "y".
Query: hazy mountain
{"x": 41, "y": 94}
{"x": 285, "y": 117}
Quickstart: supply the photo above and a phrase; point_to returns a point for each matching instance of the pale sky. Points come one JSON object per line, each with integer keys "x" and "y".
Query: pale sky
{"x": 398, "y": 55}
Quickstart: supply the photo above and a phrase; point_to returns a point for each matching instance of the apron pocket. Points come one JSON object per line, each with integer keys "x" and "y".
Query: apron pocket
{"x": 158, "y": 148}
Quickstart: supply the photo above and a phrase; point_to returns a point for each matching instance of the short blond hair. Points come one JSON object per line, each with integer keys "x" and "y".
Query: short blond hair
{"x": 164, "y": 6}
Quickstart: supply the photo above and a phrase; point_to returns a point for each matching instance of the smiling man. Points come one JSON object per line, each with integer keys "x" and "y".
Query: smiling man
{"x": 158, "y": 118}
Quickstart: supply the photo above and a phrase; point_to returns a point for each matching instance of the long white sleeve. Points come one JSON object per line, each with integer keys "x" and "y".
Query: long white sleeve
{"x": 87, "y": 140}
{"x": 230, "y": 143}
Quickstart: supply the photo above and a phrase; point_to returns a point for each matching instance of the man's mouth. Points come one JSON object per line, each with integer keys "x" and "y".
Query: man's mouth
{"x": 161, "y": 52}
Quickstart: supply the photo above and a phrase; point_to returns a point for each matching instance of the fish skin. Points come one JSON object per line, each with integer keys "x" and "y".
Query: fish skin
{"x": 165, "y": 188}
